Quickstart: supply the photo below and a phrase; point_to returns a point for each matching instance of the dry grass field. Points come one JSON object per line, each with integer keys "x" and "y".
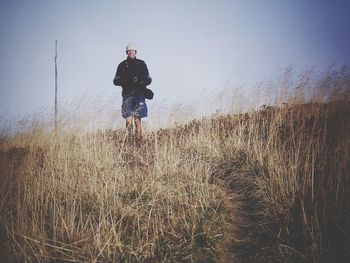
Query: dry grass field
{"x": 269, "y": 185}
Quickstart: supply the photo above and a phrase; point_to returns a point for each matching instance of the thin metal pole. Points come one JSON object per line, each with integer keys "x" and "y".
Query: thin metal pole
{"x": 56, "y": 86}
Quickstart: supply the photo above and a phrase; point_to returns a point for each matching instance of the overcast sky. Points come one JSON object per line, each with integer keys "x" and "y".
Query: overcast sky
{"x": 189, "y": 46}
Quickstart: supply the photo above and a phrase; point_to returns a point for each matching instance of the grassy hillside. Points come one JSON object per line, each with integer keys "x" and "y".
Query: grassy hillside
{"x": 270, "y": 185}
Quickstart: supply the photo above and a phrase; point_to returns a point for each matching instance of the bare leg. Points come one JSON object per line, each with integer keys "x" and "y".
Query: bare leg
{"x": 129, "y": 127}
{"x": 138, "y": 130}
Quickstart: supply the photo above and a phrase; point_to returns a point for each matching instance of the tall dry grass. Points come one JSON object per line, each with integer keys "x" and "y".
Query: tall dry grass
{"x": 270, "y": 185}
{"x": 90, "y": 198}
{"x": 291, "y": 169}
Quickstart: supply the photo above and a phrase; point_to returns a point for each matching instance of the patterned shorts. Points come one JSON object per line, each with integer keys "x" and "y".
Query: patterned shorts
{"x": 134, "y": 106}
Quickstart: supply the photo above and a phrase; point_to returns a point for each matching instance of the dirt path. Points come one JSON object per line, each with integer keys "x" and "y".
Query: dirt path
{"x": 237, "y": 238}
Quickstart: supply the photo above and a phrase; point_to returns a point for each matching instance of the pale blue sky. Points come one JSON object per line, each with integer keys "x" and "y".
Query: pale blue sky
{"x": 189, "y": 46}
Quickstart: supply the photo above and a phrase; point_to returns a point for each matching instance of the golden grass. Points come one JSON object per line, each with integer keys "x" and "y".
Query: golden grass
{"x": 270, "y": 185}
{"x": 85, "y": 198}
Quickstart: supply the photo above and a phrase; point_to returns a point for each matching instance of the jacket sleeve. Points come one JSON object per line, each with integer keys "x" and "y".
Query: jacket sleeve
{"x": 119, "y": 78}
{"x": 146, "y": 80}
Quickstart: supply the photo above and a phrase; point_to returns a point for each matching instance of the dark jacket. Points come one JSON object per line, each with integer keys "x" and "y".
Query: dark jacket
{"x": 132, "y": 75}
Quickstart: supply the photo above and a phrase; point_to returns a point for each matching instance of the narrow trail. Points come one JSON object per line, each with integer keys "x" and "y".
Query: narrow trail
{"x": 237, "y": 239}
{"x": 232, "y": 237}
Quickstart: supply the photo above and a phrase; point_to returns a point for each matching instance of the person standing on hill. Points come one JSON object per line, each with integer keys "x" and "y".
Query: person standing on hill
{"x": 132, "y": 75}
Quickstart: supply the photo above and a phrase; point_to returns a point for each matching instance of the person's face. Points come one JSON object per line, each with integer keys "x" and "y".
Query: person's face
{"x": 131, "y": 53}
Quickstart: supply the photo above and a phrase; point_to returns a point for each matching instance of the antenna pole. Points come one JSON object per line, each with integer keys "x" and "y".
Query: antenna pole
{"x": 56, "y": 86}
